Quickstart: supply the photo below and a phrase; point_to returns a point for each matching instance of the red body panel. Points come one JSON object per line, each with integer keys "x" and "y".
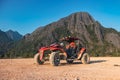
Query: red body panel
{"x": 51, "y": 48}
{"x": 82, "y": 50}
{"x": 41, "y": 51}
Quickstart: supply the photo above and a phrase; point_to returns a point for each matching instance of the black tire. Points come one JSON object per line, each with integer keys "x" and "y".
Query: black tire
{"x": 69, "y": 61}
{"x": 54, "y": 59}
{"x": 37, "y": 59}
{"x": 85, "y": 58}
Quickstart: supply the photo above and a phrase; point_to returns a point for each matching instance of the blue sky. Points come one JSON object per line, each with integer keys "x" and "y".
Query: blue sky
{"x": 25, "y": 16}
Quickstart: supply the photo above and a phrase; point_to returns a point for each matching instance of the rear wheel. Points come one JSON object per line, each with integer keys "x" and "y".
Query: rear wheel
{"x": 85, "y": 58}
{"x": 37, "y": 59}
{"x": 54, "y": 59}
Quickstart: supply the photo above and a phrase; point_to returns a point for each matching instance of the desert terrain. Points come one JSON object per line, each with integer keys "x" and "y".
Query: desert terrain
{"x": 100, "y": 68}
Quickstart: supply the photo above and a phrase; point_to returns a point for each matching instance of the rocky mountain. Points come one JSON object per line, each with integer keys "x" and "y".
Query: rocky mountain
{"x": 7, "y": 39}
{"x": 14, "y": 35}
{"x": 98, "y": 40}
{"x": 4, "y": 37}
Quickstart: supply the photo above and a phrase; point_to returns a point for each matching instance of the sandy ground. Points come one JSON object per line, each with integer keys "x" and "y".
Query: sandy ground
{"x": 100, "y": 68}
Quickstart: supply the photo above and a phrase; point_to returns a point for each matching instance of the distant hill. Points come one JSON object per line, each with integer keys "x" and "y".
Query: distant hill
{"x": 98, "y": 40}
{"x": 14, "y": 35}
{"x": 7, "y": 39}
{"x": 4, "y": 37}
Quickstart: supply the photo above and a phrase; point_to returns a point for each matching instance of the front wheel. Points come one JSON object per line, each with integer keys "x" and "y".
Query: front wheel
{"x": 54, "y": 59}
{"x": 85, "y": 58}
{"x": 37, "y": 59}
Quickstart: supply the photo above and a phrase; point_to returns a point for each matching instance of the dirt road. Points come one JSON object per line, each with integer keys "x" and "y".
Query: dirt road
{"x": 100, "y": 68}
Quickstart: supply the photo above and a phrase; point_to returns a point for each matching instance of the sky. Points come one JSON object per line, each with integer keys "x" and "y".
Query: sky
{"x": 25, "y": 16}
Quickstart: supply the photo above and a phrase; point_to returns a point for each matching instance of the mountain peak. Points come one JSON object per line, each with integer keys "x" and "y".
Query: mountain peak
{"x": 14, "y": 35}
{"x": 82, "y": 17}
{"x": 11, "y": 31}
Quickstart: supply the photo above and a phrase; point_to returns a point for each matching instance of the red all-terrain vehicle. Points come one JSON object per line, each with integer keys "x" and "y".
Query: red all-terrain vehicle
{"x": 58, "y": 51}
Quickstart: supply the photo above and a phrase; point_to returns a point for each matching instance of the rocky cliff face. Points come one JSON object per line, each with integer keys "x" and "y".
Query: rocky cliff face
{"x": 97, "y": 39}
{"x": 113, "y": 38}
{"x": 81, "y": 25}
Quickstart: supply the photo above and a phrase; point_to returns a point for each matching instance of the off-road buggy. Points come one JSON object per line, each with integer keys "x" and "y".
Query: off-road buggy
{"x": 58, "y": 51}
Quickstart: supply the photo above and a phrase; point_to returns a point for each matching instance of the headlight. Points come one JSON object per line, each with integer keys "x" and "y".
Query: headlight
{"x": 61, "y": 44}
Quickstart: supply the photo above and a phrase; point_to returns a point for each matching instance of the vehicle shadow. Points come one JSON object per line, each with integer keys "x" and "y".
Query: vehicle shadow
{"x": 97, "y": 61}
{"x": 79, "y": 62}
